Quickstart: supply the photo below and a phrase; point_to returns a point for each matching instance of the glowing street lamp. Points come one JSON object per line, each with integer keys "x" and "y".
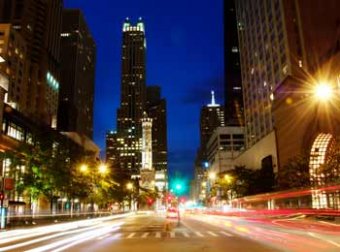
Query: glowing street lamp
{"x": 102, "y": 168}
{"x": 129, "y": 186}
{"x": 228, "y": 178}
{"x": 323, "y": 91}
{"x": 84, "y": 168}
{"x": 212, "y": 175}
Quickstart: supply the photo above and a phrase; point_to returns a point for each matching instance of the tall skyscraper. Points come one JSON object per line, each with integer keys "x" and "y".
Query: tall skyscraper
{"x": 279, "y": 39}
{"x": 212, "y": 116}
{"x": 232, "y": 68}
{"x": 156, "y": 109}
{"x": 133, "y": 96}
{"x": 39, "y": 23}
{"x": 78, "y": 56}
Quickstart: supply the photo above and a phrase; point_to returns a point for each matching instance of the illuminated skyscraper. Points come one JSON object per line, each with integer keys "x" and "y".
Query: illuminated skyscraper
{"x": 212, "y": 116}
{"x": 133, "y": 96}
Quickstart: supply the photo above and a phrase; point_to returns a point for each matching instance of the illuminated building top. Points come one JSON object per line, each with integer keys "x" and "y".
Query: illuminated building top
{"x": 213, "y": 102}
{"x": 127, "y": 27}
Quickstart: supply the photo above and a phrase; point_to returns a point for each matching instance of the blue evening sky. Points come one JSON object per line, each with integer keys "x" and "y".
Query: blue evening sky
{"x": 184, "y": 57}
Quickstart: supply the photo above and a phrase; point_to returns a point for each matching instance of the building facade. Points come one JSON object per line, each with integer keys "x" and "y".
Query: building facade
{"x": 224, "y": 145}
{"x": 133, "y": 95}
{"x": 39, "y": 23}
{"x": 78, "y": 56}
{"x": 156, "y": 109}
{"x": 232, "y": 68}
{"x": 278, "y": 39}
{"x": 13, "y": 50}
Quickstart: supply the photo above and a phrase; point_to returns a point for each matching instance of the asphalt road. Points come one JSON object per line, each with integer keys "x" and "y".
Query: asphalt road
{"x": 151, "y": 232}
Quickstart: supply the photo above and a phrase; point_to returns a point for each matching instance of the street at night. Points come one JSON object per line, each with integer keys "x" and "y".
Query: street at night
{"x": 170, "y": 126}
{"x": 149, "y": 231}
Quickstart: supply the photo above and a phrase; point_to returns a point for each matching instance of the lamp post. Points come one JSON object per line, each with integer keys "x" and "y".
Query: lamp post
{"x": 130, "y": 187}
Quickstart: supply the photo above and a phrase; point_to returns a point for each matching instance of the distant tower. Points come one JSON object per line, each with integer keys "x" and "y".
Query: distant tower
{"x": 211, "y": 117}
{"x": 147, "y": 143}
{"x": 147, "y": 172}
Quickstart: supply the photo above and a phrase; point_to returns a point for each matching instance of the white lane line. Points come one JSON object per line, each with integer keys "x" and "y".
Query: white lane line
{"x": 145, "y": 235}
{"x": 212, "y": 233}
{"x": 117, "y": 236}
{"x": 185, "y": 234}
{"x": 328, "y": 223}
{"x": 326, "y": 240}
{"x": 199, "y": 234}
{"x": 103, "y": 237}
{"x": 226, "y": 234}
{"x": 131, "y": 235}
{"x": 158, "y": 235}
{"x": 172, "y": 234}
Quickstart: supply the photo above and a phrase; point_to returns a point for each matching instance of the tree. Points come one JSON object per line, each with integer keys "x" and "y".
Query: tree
{"x": 295, "y": 174}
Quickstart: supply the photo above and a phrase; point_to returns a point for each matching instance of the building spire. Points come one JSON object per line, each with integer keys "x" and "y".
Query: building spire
{"x": 213, "y": 97}
{"x": 213, "y": 102}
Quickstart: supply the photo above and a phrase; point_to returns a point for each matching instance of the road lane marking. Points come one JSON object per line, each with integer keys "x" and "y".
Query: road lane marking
{"x": 145, "y": 235}
{"x": 116, "y": 236}
{"x": 131, "y": 235}
{"x": 185, "y": 234}
{"x": 199, "y": 234}
{"x": 324, "y": 239}
{"x": 102, "y": 237}
{"x": 158, "y": 235}
{"x": 172, "y": 234}
{"x": 226, "y": 234}
{"x": 212, "y": 233}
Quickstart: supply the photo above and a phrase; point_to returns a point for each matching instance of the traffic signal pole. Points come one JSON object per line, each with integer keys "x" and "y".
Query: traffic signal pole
{"x": 2, "y": 210}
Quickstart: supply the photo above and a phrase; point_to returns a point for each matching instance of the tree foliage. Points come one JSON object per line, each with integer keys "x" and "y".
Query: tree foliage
{"x": 295, "y": 174}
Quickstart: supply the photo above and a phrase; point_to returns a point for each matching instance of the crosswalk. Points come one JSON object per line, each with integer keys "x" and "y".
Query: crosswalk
{"x": 173, "y": 234}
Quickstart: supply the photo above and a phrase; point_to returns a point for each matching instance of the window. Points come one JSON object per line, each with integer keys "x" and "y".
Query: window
{"x": 15, "y": 131}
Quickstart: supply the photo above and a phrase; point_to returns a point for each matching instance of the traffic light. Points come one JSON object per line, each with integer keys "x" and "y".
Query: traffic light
{"x": 2, "y": 196}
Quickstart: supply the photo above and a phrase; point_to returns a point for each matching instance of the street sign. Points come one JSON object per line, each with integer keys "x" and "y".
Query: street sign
{"x": 8, "y": 184}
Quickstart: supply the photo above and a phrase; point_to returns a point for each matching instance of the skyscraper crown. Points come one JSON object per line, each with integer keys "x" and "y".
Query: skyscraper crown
{"x": 127, "y": 26}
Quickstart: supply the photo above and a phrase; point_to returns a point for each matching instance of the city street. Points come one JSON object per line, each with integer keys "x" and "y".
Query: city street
{"x": 152, "y": 232}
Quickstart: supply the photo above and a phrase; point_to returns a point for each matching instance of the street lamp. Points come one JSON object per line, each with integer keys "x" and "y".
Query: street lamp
{"x": 83, "y": 168}
{"x": 323, "y": 91}
{"x": 228, "y": 178}
{"x": 129, "y": 186}
{"x": 212, "y": 175}
{"x": 102, "y": 168}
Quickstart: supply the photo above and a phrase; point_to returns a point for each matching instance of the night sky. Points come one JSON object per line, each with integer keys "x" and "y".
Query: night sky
{"x": 184, "y": 57}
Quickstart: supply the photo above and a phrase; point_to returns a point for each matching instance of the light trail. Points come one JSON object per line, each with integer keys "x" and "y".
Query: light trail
{"x": 72, "y": 241}
{"x": 45, "y": 238}
{"x": 10, "y": 236}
